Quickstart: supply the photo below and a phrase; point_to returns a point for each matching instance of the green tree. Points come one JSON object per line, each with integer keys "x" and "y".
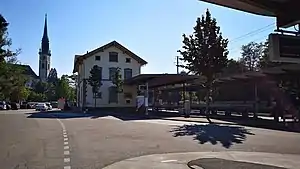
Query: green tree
{"x": 117, "y": 80}
{"x": 11, "y": 77}
{"x": 36, "y": 97}
{"x": 251, "y": 55}
{"x": 205, "y": 51}
{"x": 63, "y": 88}
{"x": 94, "y": 81}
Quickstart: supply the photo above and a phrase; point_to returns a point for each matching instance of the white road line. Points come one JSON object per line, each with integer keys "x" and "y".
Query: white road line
{"x": 66, "y": 147}
{"x": 168, "y": 161}
{"x": 67, "y": 160}
{"x": 66, "y": 152}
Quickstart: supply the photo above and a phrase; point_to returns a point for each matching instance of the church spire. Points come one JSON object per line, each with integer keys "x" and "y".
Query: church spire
{"x": 45, "y": 39}
{"x": 45, "y": 35}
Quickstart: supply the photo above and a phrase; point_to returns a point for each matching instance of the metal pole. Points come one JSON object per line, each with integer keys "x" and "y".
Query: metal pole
{"x": 256, "y": 100}
{"x": 146, "y": 99}
{"x": 177, "y": 64}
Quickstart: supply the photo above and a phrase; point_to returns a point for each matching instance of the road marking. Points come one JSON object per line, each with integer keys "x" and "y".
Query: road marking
{"x": 67, "y": 160}
{"x": 168, "y": 161}
{"x": 66, "y": 152}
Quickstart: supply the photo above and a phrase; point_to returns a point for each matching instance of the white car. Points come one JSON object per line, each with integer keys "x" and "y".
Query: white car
{"x": 41, "y": 107}
{"x": 49, "y": 107}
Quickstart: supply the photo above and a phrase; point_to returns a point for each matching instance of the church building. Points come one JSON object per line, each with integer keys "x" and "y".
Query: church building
{"x": 44, "y": 55}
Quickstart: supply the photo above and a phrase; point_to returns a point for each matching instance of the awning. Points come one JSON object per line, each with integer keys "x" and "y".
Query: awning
{"x": 286, "y": 12}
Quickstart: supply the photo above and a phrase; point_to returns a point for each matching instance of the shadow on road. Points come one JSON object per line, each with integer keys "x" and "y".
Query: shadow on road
{"x": 57, "y": 114}
{"x": 225, "y": 135}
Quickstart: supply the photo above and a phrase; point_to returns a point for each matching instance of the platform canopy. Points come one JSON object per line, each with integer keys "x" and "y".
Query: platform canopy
{"x": 157, "y": 80}
{"x": 286, "y": 12}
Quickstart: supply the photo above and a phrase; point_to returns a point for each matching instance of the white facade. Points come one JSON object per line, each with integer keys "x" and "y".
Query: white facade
{"x": 44, "y": 66}
{"x": 84, "y": 66}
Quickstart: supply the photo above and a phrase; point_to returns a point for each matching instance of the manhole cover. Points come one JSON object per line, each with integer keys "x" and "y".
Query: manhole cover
{"x": 217, "y": 163}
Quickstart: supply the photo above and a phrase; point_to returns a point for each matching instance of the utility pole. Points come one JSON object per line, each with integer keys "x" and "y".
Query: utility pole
{"x": 177, "y": 64}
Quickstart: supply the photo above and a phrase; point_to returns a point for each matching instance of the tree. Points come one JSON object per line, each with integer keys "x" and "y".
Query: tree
{"x": 251, "y": 55}
{"x": 63, "y": 88}
{"x": 117, "y": 80}
{"x": 11, "y": 77}
{"x": 52, "y": 77}
{"x": 205, "y": 51}
{"x": 233, "y": 67}
{"x": 94, "y": 81}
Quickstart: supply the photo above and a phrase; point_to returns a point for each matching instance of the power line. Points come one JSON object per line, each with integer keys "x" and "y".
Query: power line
{"x": 257, "y": 31}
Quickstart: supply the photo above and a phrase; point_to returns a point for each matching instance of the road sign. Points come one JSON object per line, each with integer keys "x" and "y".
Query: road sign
{"x": 284, "y": 48}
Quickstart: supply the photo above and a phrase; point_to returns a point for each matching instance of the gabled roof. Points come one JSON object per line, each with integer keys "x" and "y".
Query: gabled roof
{"x": 102, "y": 48}
{"x": 26, "y": 70}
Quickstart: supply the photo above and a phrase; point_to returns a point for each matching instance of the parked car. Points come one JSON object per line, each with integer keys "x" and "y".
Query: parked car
{"x": 54, "y": 104}
{"x": 23, "y": 105}
{"x": 41, "y": 107}
{"x": 2, "y": 105}
{"x": 15, "y": 106}
{"x": 8, "y": 106}
{"x": 49, "y": 106}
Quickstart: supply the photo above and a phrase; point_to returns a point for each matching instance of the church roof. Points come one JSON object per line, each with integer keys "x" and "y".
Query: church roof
{"x": 100, "y": 49}
{"x": 26, "y": 70}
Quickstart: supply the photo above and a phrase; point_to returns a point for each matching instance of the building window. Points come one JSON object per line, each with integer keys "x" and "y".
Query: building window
{"x": 48, "y": 67}
{"x": 43, "y": 65}
{"x": 127, "y": 73}
{"x": 128, "y": 60}
{"x": 112, "y": 72}
{"x": 44, "y": 57}
{"x": 113, "y": 56}
{"x": 113, "y": 95}
{"x": 97, "y": 57}
{"x": 128, "y": 101}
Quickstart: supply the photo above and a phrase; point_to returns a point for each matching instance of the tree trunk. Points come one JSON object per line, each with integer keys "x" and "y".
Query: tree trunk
{"x": 207, "y": 103}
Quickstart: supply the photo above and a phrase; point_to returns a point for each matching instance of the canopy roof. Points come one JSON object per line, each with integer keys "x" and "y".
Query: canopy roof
{"x": 286, "y": 12}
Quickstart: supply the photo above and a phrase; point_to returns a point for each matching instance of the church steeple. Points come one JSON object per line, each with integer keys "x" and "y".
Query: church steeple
{"x": 45, "y": 39}
{"x": 44, "y": 55}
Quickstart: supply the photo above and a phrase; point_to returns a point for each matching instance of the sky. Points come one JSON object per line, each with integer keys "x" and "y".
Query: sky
{"x": 152, "y": 29}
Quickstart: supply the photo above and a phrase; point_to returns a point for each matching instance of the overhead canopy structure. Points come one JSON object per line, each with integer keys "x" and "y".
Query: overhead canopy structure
{"x": 157, "y": 80}
{"x": 286, "y": 12}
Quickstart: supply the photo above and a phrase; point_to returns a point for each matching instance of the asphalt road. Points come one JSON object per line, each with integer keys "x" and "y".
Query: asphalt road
{"x": 40, "y": 140}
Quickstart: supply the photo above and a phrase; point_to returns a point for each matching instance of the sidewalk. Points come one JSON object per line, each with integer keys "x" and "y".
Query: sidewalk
{"x": 211, "y": 160}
